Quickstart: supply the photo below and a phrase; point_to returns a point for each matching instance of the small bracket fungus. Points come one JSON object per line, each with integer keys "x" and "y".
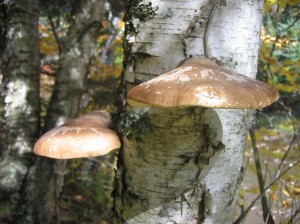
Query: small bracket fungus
{"x": 86, "y": 136}
{"x": 201, "y": 82}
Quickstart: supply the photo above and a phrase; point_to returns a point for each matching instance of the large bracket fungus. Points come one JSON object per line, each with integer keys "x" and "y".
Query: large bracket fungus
{"x": 178, "y": 166}
{"x": 184, "y": 165}
{"x": 201, "y": 82}
{"x": 86, "y": 136}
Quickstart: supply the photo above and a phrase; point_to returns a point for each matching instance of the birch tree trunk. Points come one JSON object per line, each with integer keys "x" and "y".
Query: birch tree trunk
{"x": 19, "y": 105}
{"x": 183, "y": 165}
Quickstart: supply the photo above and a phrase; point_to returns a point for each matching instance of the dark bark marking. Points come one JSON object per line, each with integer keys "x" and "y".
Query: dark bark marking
{"x": 145, "y": 11}
{"x": 202, "y": 208}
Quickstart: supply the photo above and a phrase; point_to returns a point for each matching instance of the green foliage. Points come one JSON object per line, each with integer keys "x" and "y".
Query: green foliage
{"x": 280, "y": 52}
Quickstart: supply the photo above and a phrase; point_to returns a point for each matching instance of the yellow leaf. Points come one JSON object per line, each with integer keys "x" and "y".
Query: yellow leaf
{"x": 285, "y": 87}
{"x": 269, "y": 4}
{"x": 282, "y": 4}
{"x": 121, "y": 25}
{"x": 293, "y": 2}
{"x": 273, "y": 196}
{"x": 288, "y": 62}
{"x": 297, "y": 65}
{"x": 271, "y": 61}
{"x": 286, "y": 192}
{"x": 296, "y": 190}
{"x": 286, "y": 204}
{"x": 264, "y": 49}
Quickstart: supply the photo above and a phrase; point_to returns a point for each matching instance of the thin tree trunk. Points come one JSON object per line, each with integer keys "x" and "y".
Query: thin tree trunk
{"x": 19, "y": 98}
{"x": 78, "y": 48}
{"x": 183, "y": 165}
{"x": 268, "y": 218}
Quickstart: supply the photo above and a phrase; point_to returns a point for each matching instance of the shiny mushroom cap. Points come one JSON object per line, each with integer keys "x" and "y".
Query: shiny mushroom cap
{"x": 86, "y": 136}
{"x": 201, "y": 82}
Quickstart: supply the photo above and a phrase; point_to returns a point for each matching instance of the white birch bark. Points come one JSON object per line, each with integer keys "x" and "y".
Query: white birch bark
{"x": 183, "y": 165}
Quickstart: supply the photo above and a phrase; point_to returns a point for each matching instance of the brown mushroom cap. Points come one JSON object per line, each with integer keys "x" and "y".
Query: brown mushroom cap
{"x": 201, "y": 82}
{"x": 85, "y": 136}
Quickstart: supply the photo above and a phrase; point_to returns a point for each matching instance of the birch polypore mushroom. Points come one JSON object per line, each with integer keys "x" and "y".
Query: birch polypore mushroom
{"x": 86, "y": 136}
{"x": 201, "y": 82}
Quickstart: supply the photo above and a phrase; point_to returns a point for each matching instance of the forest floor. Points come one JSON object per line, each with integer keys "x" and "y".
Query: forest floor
{"x": 273, "y": 142}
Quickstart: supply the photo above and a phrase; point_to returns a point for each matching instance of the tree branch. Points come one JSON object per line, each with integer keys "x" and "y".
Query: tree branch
{"x": 242, "y": 216}
{"x": 297, "y": 17}
{"x": 284, "y": 156}
{"x": 57, "y": 40}
{"x": 264, "y": 203}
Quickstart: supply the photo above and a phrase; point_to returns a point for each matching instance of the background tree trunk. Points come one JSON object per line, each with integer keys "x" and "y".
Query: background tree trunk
{"x": 29, "y": 186}
{"x": 78, "y": 49}
{"x": 184, "y": 165}
{"x": 19, "y": 124}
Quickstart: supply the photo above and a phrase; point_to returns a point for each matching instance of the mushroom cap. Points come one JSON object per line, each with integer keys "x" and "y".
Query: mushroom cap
{"x": 85, "y": 136}
{"x": 201, "y": 82}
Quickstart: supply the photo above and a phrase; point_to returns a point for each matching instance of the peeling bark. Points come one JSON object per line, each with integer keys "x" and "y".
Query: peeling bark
{"x": 183, "y": 165}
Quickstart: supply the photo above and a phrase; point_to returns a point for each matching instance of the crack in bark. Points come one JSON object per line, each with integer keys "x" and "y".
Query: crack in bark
{"x": 22, "y": 189}
{"x": 205, "y": 41}
{"x": 202, "y": 208}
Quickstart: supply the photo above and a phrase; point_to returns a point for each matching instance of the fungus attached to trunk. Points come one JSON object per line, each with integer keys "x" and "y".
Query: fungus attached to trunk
{"x": 201, "y": 82}
{"x": 86, "y": 136}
